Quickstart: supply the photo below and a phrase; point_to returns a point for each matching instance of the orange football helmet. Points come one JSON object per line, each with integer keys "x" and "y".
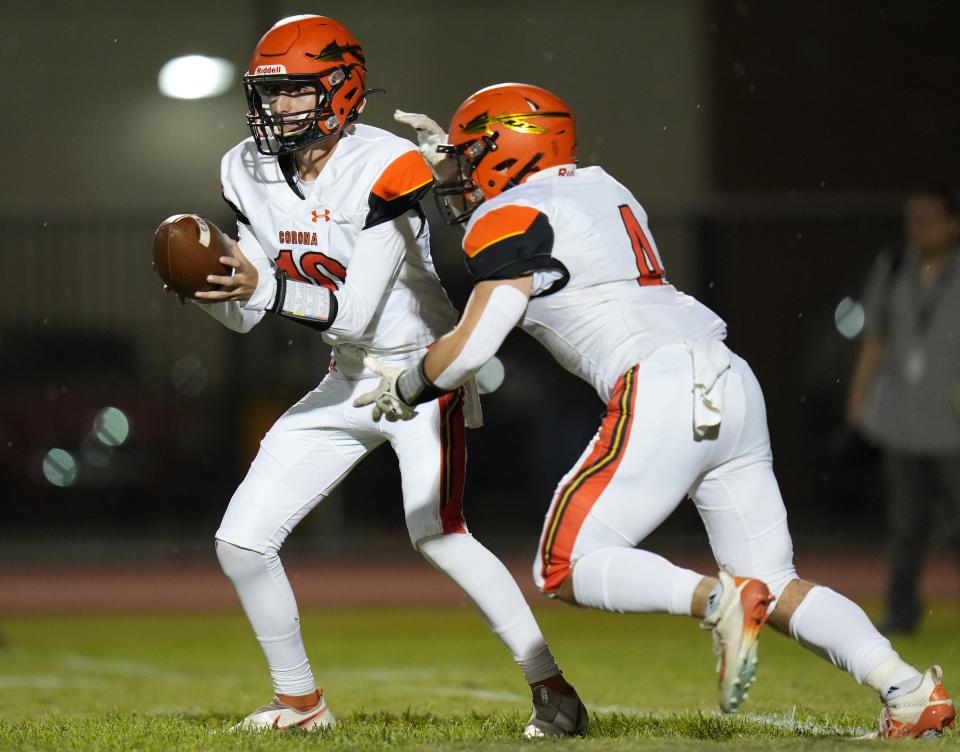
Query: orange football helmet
{"x": 500, "y": 136}
{"x": 298, "y": 52}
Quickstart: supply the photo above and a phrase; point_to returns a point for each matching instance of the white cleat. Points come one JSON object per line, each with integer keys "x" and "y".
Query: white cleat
{"x": 924, "y": 711}
{"x": 556, "y": 714}
{"x": 278, "y": 716}
{"x": 735, "y": 623}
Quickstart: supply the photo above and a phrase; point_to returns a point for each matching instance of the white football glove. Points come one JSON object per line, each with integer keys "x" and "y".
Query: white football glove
{"x": 385, "y": 398}
{"x": 429, "y": 136}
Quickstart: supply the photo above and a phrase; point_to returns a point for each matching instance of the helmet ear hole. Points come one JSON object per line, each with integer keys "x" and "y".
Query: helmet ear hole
{"x": 505, "y": 164}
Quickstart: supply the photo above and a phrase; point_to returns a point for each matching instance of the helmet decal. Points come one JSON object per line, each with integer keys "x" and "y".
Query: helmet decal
{"x": 517, "y": 121}
{"x": 335, "y": 52}
{"x": 270, "y": 70}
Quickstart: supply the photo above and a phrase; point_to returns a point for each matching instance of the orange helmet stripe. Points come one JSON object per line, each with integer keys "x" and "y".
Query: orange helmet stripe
{"x": 499, "y": 224}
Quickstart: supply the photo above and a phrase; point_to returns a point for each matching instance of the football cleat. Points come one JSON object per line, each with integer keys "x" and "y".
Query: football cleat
{"x": 736, "y": 622}
{"x": 924, "y": 711}
{"x": 278, "y": 716}
{"x": 556, "y": 714}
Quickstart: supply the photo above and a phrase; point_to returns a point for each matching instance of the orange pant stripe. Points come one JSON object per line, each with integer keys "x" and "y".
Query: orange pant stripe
{"x": 576, "y": 498}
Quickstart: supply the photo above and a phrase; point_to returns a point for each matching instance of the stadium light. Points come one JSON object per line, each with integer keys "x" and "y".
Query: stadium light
{"x": 849, "y": 317}
{"x": 111, "y": 426}
{"x": 195, "y": 77}
{"x": 59, "y": 467}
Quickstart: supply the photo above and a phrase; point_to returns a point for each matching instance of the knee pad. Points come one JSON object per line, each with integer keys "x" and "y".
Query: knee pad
{"x": 239, "y": 562}
{"x": 440, "y": 550}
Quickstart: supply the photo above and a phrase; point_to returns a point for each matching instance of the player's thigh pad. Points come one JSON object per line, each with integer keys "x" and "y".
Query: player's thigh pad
{"x": 306, "y": 453}
{"x": 432, "y": 452}
{"x": 738, "y": 497}
{"x": 634, "y": 472}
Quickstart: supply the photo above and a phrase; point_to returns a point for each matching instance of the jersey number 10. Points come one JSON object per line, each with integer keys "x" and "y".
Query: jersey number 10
{"x": 333, "y": 274}
{"x": 648, "y": 260}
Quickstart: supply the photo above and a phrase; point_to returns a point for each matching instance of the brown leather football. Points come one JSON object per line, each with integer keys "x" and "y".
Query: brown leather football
{"x": 186, "y": 248}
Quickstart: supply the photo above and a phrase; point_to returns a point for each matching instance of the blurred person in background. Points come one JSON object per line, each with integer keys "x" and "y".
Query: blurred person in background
{"x": 905, "y": 392}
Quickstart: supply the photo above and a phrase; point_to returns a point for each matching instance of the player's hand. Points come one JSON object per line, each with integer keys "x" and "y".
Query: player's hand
{"x": 385, "y": 398}
{"x": 240, "y": 285}
{"x": 429, "y": 136}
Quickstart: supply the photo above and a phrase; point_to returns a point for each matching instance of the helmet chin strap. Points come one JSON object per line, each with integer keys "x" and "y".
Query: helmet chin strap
{"x": 362, "y": 101}
{"x": 288, "y": 167}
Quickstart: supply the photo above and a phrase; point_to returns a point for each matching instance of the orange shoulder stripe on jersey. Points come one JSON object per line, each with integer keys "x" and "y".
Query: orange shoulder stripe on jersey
{"x": 576, "y": 498}
{"x": 402, "y": 176}
{"x": 501, "y": 223}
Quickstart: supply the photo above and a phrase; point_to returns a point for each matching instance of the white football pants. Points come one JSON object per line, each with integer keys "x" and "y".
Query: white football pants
{"x": 303, "y": 457}
{"x": 641, "y": 464}
{"x": 644, "y": 460}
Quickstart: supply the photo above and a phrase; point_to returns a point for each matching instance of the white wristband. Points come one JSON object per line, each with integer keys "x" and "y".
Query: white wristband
{"x": 306, "y": 301}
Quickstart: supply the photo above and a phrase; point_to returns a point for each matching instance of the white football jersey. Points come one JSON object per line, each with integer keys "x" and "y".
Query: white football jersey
{"x": 371, "y": 177}
{"x": 601, "y": 302}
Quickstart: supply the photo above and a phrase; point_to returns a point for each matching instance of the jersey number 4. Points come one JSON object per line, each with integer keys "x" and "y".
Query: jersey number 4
{"x": 333, "y": 274}
{"x": 648, "y": 260}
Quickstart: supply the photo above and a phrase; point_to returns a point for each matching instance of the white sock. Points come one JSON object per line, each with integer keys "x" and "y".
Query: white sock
{"x": 630, "y": 580}
{"x": 487, "y": 583}
{"x": 268, "y": 600}
{"x": 836, "y": 628}
{"x": 893, "y": 678}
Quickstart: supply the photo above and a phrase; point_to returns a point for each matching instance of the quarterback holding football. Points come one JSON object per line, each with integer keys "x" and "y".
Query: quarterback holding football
{"x": 331, "y": 235}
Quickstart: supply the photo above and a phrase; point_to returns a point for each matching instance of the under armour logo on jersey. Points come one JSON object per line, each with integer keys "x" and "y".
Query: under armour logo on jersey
{"x": 317, "y": 215}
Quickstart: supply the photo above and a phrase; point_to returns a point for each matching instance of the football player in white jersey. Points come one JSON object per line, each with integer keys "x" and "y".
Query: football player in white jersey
{"x": 566, "y": 254}
{"x": 331, "y": 234}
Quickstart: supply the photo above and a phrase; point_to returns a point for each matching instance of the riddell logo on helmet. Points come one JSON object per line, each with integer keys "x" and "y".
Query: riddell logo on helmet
{"x": 269, "y": 70}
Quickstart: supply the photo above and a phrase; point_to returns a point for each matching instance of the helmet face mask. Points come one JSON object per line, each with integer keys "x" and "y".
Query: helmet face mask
{"x": 457, "y": 199}
{"x": 281, "y": 133}
{"x": 317, "y": 65}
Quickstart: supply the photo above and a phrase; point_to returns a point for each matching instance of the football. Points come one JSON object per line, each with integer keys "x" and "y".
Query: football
{"x": 186, "y": 248}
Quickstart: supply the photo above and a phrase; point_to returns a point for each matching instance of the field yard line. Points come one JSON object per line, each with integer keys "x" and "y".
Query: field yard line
{"x": 622, "y": 709}
{"x": 118, "y": 667}
{"x": 387, "y": 673}
{"x": 479, "y": 694}
{"x": 791, "y": 724}
{"x": 487, "y": 694}
{"x": 47, "y": 681}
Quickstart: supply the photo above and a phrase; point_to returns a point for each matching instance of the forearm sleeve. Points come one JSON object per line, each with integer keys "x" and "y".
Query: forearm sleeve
{"x": 374, "y": 264}
{"x": 502, "y": 313}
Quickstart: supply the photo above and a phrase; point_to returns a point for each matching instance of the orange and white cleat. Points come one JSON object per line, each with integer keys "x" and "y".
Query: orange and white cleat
{"x": 736, "y": 622}
{"x": 924, "y": 711}
{"x": 278, "y": 716}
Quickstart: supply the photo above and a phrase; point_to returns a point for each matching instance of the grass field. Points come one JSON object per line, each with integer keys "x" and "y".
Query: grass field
{"x": 422, "y": 679}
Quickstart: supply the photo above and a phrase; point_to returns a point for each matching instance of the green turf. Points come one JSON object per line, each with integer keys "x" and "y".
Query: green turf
{"x": 421, "y": 679}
